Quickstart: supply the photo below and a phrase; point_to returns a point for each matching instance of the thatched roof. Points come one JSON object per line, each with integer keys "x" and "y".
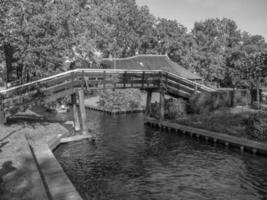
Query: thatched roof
{"x": 150, "y": 62}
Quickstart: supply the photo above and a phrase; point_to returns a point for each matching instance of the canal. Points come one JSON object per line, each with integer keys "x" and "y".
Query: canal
{"x": 129, "y": 160}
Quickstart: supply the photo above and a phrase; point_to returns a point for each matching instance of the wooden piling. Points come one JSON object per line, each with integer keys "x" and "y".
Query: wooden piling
{"x": 2, "y": 115}
{"x": 148, "y": 102}
{"x": 104, "y": 80}
{"x": 77, "y": 126}
{"x": 83, "y": 112}
{"x": 162, "y": 105}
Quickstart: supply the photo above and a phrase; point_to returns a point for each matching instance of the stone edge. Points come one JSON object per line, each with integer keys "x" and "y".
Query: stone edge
{"x": 43, "y": 153}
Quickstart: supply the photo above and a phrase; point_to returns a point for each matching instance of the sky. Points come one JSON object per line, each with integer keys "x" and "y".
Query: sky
{"x": 249, "y": 15}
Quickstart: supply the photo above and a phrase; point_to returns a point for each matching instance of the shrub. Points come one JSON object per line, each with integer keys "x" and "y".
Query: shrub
{"x": 175, "y": 108}
{"x": 120, "y": 99}
{"x": 256, "y": 127}
{"x": 207, "y": 102}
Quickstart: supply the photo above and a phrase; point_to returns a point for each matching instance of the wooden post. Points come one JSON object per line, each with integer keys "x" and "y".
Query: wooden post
{"x": 161, "y": 101}
{"x": 104, "y": 80}
{"x": 83, "y": 82}
{"x": 160, "y": 79}
{"x": 83, "y": 112}
{"x": 258, "y": 92}
{"x": 124, "y": 79}
{"x": 161, "y": 97}
{"x": 148, "y": 102}
{"x": 132, "y": 82}
{"x": 195, "y": 89}
{"x": 166, "y": 79}
{"x": 2, "y": 115}
{"x": 143, "y": 79}
{"x": 77, "y": 126}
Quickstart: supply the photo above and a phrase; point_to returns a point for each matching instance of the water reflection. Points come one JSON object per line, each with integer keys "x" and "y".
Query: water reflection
{"x": 131, "y": 161}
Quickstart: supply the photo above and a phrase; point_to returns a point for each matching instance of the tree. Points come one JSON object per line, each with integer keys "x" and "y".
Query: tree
{"x": 216, "y": 40}
{"x": 39, "y": 35}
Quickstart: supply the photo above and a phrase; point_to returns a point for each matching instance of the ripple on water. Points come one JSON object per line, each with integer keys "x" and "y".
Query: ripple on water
{"x": 130, "y": 161}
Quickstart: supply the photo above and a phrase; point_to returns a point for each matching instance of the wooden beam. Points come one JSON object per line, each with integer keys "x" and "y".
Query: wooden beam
{"x": 148, "y": 102}
{"x": 77, "y": 126}
{"x": 2, "y": 116}
{"x": 83, "y": 112}
{"x": 104, "y": 80}
{"x": 143, "y": 80}
{"x": 162, "y": 103}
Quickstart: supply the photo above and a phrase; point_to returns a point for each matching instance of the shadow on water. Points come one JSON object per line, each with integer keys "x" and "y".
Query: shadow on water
{"x": 132, "y": 161}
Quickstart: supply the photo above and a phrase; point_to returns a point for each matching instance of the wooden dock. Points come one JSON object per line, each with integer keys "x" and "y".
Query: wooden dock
{"x": 229, "y": 141}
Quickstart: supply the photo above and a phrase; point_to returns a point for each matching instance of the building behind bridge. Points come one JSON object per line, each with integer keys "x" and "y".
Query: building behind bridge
{"x": 150, "y": 62}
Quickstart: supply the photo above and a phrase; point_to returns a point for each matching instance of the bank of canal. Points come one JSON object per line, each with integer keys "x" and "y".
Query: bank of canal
{"x": 129, "y": 160}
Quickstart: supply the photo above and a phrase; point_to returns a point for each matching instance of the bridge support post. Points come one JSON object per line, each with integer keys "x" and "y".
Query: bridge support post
{"x": 148, "y": 102}
{"x": 77, "y": 126}
{"x": 2, "y": 116}
{"x": 83, "y": 111}
{"x": 161, "y": 102}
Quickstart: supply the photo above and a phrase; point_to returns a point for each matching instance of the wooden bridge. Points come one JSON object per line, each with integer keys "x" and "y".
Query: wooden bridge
{"x": 70, "y": 83}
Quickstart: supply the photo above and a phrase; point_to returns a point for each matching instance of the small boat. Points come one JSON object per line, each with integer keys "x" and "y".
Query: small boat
{"x": 59, "y": 109}
{"x": 62, "y": 109}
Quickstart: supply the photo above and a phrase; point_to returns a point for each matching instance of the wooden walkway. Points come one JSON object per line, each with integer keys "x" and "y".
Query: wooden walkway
{"x": 22, "y": 97}
{"x": 229, "y": 141}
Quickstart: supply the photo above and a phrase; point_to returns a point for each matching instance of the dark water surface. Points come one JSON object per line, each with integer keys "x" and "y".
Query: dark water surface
{"x": 133, "y": 161}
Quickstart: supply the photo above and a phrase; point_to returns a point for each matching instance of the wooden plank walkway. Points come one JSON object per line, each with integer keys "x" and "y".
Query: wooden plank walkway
{"x": 229, "y": 141}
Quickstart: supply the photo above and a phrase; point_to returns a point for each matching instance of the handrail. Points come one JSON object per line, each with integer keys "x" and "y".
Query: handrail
{"x": 112, "y": 71}
{"x": 75, "y": 70}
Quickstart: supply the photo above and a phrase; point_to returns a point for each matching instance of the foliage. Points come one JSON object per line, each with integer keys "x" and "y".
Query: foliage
{"x": 230, "y": 121}
{"x": 256, "y": 126}
{"x": 207, "y": 102}
{"x": 175, "y": 108}
{"x": 38, "y": 36}
{"x": 120, "y": 99}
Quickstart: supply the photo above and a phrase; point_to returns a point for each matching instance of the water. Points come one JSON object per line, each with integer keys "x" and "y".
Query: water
{"x": 132, "y": 161}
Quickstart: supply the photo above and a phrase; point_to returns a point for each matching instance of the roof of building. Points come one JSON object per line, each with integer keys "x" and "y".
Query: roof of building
{"x": 150, "y": 62}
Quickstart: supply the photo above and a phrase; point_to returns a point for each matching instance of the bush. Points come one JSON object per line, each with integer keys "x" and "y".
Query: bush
{"x": 120, "y": 99}
{"x": 207, "y": 102}
{"x": 256, "y": 127}
{"x": 175, "y": 108}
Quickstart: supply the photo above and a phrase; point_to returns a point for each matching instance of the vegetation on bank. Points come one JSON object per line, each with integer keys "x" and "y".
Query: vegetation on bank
{"x": 246, "y": 123}
{"x": 221, "y": 112}
{"x": 126, "y": 99}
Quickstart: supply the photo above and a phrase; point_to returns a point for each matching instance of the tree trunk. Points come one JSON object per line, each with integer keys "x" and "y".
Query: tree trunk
{"x": 8, "y": 51}
{"x": 258, "y": 93}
